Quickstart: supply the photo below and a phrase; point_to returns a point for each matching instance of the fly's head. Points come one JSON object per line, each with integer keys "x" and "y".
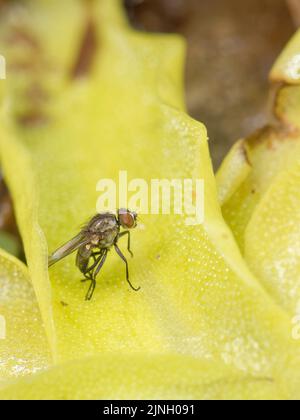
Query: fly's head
{"x": 127, "y": 218}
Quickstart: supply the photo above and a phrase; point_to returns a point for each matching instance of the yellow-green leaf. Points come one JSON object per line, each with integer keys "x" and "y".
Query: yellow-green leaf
{"x": 144, "y": 377}
{"x": 270, "y": 152}
{"x": 233, "y": 171}
{"x": 287, "y": 66}
{"x": 272, "y": 239}
{"x": 264, "y": 209}
{"x": 23, "y": 344}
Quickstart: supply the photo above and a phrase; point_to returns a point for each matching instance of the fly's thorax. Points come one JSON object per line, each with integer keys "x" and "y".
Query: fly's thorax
{"x": 103, "y": 230}
{"x": 102, "y": 222}
{"x": 109, "y": 237}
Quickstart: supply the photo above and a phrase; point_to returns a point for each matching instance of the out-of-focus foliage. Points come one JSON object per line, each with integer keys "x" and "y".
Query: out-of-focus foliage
{"x": 263, "y": 211}
{"x": 23, "y": 344}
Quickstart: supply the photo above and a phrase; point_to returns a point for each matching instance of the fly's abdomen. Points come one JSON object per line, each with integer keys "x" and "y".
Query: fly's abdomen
{"x": 82, "y": 259}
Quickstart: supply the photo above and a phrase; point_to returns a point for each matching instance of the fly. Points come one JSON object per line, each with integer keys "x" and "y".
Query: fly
{"x": 94, "y": 241}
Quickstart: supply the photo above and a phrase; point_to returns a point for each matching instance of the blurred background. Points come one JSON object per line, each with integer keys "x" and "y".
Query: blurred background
{"x": 231, "y": 46}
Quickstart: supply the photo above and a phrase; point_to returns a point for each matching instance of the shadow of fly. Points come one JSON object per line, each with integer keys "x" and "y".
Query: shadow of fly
{"x": 94, "y": 241}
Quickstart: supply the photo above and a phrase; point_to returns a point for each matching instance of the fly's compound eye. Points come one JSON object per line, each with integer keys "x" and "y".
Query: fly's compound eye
{"x": 127, "y": 219}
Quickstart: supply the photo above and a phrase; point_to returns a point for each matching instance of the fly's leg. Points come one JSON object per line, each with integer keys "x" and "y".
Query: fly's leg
{"x": 91, "y": 290}
{"x": 87, "y": 277}
{"x": 128, "y": 241}
{"x": 97, "y": 257}
{"x": 88, "y": 273}
{"x": 96, "y": 254}
{"x": 94, "y": 274}
{"x": 101, "y": 263}
{"x": 127, "y": 270}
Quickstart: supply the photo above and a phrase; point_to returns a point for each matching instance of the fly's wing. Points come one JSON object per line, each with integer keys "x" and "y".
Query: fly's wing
{"x": 68, "y": 248}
